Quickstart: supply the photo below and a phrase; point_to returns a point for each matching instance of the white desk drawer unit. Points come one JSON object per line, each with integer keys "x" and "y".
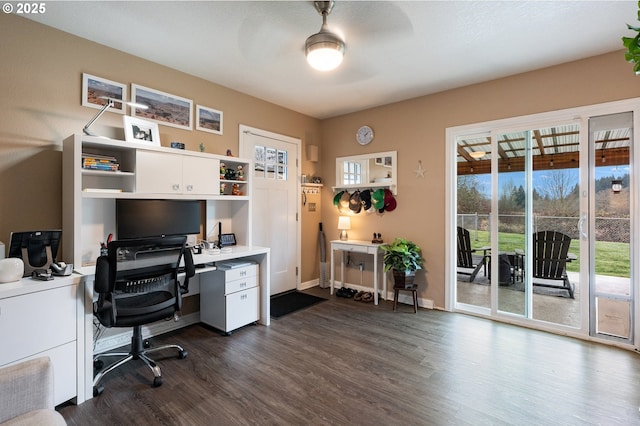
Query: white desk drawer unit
{"x": 229, "y": 296}
{"x": 41, "y": 319}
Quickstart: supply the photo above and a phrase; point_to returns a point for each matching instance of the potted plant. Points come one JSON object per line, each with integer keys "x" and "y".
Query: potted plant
{"x": 404, "y": 258}
{"x": 632, "y": 44}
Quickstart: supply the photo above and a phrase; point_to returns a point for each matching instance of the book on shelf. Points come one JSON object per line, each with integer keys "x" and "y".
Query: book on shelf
{"x": 99, "y": 162}
{"x": 99, "y": 156}
{"x": 104, "y": 167}
{"x": 107, "y": 190}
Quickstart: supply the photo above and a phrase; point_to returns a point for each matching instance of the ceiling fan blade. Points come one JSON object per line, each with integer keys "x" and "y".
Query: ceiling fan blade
{"x": 370, "y": 22}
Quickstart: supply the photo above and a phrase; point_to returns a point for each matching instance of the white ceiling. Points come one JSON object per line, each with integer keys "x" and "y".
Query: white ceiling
{"x": 394, "y": 50}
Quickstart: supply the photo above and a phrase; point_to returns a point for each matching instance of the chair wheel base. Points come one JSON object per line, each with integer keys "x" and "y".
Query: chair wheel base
{"x": 97, "y": 390}
{"x": 182, "y": 354}
{"x": 98, "y": 364}
{"x": 157, "y": 381}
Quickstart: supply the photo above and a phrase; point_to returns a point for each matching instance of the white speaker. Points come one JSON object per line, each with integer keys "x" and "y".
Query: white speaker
{"x": 11, "y": 269}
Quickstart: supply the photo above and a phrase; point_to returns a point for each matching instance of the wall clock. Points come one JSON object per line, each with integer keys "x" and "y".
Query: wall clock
{"x": 364, "y": 135}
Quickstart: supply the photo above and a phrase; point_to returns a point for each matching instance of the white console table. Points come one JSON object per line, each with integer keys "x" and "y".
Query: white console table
{"x": 366, "y": 247}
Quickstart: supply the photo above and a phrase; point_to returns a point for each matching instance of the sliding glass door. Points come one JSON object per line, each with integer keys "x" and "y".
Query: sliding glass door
{"x": 609, "y": 234}
{"x": 544, "y": 229}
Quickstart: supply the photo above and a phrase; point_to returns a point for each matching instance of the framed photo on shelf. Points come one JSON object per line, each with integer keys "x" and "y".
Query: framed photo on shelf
{"x": 163, "y": 108}
{"x": 95, "y": 89}
{"x": 208, "y": 120}
{"x": 378, "y": 161}
{"x": 141, "y": 131}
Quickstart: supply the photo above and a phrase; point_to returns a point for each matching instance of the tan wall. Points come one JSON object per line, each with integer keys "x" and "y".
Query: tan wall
{"x": 40, "y": 81}
{"x": 416, "y": 129}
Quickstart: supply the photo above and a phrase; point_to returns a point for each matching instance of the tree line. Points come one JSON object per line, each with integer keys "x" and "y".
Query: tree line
{"x": 557, "y": 195}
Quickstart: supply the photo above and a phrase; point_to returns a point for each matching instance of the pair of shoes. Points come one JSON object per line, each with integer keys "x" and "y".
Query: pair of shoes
{"x": 367, "y": 297}
{"x": 341, "y": 292}
{"x": 346, "y": 292}
{"x": 358, "y": 296}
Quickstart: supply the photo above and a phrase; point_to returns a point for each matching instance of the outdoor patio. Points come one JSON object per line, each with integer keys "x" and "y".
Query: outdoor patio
{"x": 550, "y": 305}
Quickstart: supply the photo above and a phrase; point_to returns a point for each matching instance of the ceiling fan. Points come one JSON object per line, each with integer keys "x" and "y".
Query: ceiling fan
{"x": 324, "y": 50}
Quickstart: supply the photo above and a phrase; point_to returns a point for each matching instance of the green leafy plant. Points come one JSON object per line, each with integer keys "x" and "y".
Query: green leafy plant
{"x": 632, "y": 44}
{"x": 402, "y": 255}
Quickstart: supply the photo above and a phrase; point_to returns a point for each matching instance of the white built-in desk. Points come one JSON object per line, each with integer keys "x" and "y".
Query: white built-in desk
{"x": 360, "y": 247}
{"x": 150, "y": 172}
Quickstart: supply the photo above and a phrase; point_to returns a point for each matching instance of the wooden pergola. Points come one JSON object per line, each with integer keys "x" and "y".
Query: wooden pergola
{"x": 553, "y": 148}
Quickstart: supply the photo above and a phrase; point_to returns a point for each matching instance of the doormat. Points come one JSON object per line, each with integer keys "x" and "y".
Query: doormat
{"x": 285, "y": 303}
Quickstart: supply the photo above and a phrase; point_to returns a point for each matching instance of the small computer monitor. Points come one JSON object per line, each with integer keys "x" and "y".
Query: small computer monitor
{"x": 39, "y": 247}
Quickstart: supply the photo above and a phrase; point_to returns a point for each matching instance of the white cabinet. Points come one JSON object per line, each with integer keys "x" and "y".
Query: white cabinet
{"x": 168, "y": 173}
{"x": 229, "y": 296}
{"x": 137, "y": 170}
{"x": 44, "y": 319}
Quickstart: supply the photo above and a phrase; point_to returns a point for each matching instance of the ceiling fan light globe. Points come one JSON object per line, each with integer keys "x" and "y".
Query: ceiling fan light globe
{"x": 324, "y": 51}
{"x": 324, "y": 59}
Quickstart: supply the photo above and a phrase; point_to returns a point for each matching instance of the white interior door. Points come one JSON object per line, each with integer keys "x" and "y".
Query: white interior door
{"x": 275, "y": 201}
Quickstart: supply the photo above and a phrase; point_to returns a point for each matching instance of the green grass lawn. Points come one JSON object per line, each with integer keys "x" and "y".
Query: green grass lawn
{"x": 611, "y": 258}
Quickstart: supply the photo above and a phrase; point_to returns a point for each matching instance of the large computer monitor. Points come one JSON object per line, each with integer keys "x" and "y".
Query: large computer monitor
{"x": 143, "y": 218}
{"x": 37, "y": 249}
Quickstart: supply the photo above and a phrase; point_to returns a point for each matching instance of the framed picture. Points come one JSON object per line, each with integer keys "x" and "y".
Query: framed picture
{"x": 94, "y": 89}
{"x": 208, "y": 120}
{"x": 378, "y": 161}
{"x": 163, "y": 108}
{"x": 141, "y": 131}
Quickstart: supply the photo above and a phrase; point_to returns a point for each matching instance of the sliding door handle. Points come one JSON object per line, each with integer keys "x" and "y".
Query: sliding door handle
{"x": 583, "y": 218}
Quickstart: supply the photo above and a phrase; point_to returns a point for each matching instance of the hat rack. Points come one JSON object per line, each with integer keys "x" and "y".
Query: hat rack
{"x": 355, "y": 202}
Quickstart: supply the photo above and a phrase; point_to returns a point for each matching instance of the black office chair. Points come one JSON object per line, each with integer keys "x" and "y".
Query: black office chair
{"x": 137, "y": 283}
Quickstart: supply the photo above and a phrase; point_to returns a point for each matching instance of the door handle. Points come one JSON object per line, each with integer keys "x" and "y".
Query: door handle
{"x": 581, "y": 221}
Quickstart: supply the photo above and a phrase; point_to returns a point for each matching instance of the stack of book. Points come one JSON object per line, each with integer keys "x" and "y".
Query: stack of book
{"x": 100, "y": 162}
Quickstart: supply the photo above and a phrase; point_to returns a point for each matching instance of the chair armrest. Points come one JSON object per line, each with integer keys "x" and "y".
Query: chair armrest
{"x": 25, "y": 387}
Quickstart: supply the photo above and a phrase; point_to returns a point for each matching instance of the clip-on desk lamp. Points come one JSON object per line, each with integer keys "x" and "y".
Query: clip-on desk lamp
{"x": 110, "y": 103}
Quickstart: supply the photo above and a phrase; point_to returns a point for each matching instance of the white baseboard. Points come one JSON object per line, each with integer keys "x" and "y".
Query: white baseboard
{"x": 120, "y": 338}
{"x": 309, "y": 284}
{"x": 407, "y": 298}
{"x": 403, "y": 297}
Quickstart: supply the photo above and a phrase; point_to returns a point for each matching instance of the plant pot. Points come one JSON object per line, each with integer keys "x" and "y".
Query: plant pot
{"x": 403, "y": 279}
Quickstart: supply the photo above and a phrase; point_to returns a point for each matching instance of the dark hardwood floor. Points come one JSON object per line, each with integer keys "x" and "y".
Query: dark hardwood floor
{"x": 343, "y": 362}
